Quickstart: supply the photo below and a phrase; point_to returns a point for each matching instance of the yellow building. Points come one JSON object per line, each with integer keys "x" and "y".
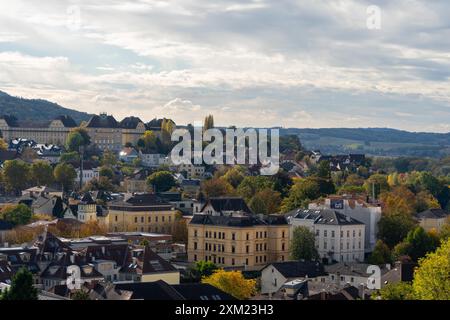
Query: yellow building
{"x": 52, "y": 132}
{"x": 237, "y": 238}
{"x": 433, "y": 219}
{"x": 140, "y": 212}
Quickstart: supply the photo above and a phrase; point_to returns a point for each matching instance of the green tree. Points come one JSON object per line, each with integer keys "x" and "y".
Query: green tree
{"x": 376, "y": 184}
{"x": 101, "y": 184}
{"x": 76, "y": 138}
{"x": 70, "y": 156}
{"x": 417, "y": 244}
{"x": 21, "y": 287}
{"x": 431, "y": 278}
{"x": 204, "y": 269}
{"x": 148, "y": 142}
{"x": 250, "y": 185}
{"x": 107, "y": 172}
{"x": 109, "y": 159}
{"x": 65, "y": 174}
{"x": 161, "y": 181}
{"x": 16, "y": 174}
{"x": 324, "y": 170}
{"x": 19, "y": 214}
{"x": 393, "y": 228}
{"x": 303, "y": 244}
{"x": 395, "y": 291}
{"x": 301, "y": 193}
{"x": 234, "y": 176}
{"x": 381, "y": 254}
{"x": 42, "y": 173}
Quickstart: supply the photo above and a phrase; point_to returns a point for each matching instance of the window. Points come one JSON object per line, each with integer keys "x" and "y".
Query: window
{"x": 282, "y": 235}
{"x": 195, "y": 233}
{"x": 149, "y": 219}
{"x": 162, "y": 218}
{"x": 116, "y": 218}
{"x": 282, "y": 246}
{"x": 156, "y": 219}
{"x": 325, "y": 233}
{"x": 233, "y": 249}
{"x": 246, "y": 261}
{"x": 195, "y": 245}
{"x": 248, "y": 236}
{"x": 170, "y": 219}
{"x": 195, "y": 257}
{"x": 332, "y": 233}
{"x": 206, "y": 234}
{"x": 247, "y": 249}
{"x": 257, "y": 235}
{"x": 135, "y": 219}
{"x": 215, "y": 235}
{"x": 265, "y": 234}
{"x": 359, "y": 233}
{"x": 342, "y": 234}
{"x": 223, "y": 235}
{"x": 265, "y": 246}
{"x": 325, "y": 245}
{"x": 317, "y": 233}
{"x": 348, "y": 233}
{"x": 232, "y": 261}
{"x": 354, "y": 233}
{"x": 233, "y": 236}
{"x": 142, "y": 219}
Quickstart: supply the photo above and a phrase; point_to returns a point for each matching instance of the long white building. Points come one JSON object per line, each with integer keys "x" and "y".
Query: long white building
{"x": 338, "y": 237}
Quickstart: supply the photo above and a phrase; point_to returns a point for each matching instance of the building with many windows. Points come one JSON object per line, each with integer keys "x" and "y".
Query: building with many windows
{"x": 143, "y": 212}
{"x": 339, "y": 237}
{"x": 228, "y": 234}
{"x": 50, "y": 132}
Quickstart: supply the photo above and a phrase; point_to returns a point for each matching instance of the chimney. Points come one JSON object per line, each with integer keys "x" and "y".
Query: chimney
{"x": 72, "y": 258}
{"x": 361, "y": 291}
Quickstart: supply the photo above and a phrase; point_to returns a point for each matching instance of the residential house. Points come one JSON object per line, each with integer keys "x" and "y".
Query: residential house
{"x": 358, "y": 208}
{"x": 337, "y": 237}
{"x": 128, "y": 154}
{"x": 275, "y": 275}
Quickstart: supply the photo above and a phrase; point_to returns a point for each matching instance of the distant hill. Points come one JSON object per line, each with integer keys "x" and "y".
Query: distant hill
{"x": 36, "y": 109}
{"x": 374, "y": 141}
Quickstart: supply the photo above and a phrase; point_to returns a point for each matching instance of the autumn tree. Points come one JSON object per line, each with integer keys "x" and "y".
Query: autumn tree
{"x": 265, "y": 201}
{"x": 42, "y": 173}
{"x": 303, "y": 244}
{"x": 19, "y": 214}
{"x": 179, "y": 229}
{"x": 65, "y": 174}
{"x": 148, "y": 142}
{"x": 16, "y": 175}
{"x": 209, "y": 122}
{"x": 301, "y": 193}
{"x": 216, "y": 188}
{"x": 233, "y": 283}
{"x": 234, "y": 176}
{"x": 3, "y": 144}
{"x": 376, "y": 184}
{"x": 431, "y": 278}
{"x": 161, "y": 181}
{"x": 395, "y": 291}
{"x": 109, "y": 159}
{"x": 250, "y": 185}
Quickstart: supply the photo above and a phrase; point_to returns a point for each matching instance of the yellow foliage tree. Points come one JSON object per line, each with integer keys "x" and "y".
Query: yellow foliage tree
{"x": 233, "y": 283}
{"x": 431, "y": 278}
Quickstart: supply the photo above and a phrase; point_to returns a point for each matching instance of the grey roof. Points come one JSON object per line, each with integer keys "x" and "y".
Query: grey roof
{"x": 352, "y": 269}
{"x": 130, "y": 122}
{"x": 294, "y": 269}
{"x": 248, "y": 220}
{"x": 102, "y": 121}
{"x": 323, "y": 216}
{"x": 220, "y": 204}
{"x": 433, "y": 214}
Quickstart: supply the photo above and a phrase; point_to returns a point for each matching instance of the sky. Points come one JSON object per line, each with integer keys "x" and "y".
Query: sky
{"x": 303, "y": 64}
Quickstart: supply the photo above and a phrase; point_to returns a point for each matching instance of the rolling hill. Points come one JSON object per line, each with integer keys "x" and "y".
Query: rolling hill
{"x": 36, "y": 109}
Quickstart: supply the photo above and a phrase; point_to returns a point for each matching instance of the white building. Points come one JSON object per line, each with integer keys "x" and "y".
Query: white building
{"x": 356, "y": 208}
{"x": 89, "y": 173}
{"x": 339, "y": 238}
{"x": 154, "y": 159}
{"x": 192, "y": 171}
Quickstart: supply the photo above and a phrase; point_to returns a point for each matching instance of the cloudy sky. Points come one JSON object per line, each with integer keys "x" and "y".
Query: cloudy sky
{"x": 251, "y": 63}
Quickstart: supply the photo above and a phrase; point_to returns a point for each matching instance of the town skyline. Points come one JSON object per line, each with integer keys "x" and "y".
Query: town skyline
{"x": 291, "y": 64}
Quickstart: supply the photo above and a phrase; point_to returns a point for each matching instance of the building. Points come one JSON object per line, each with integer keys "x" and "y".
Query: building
{"x": 128, "y": 155}
{"x": 433, "y": 219}
{"x": 137, "y": 182}
{"x": 191, "y": 171}
{"x": 357, "y": 208}
{"x": 228, "y": 234}
{"x": 90, "y": 171}
{"x": 140, "y": 212}
{"x": 51, "y": 132}
{"x": 153, "y": 160}
{"x": 132, "y": 129}
{"x": 338, "y": 237}
{"x": 275, "y": 275}
{"x": 105, "y": 132}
